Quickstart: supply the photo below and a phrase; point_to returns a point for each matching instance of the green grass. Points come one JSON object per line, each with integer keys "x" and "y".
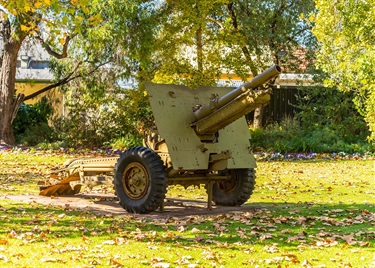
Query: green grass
{"x": 319, "y": 213}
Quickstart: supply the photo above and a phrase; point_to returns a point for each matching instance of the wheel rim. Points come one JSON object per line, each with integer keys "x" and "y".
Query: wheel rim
{"x": 228, "y": 186}
{"x": 135, "y": 181}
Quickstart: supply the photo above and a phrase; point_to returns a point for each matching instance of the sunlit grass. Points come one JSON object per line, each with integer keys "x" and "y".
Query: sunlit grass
{"x": 19, "y": 171}
{"x": 319, "y": 213}
{"x": 325, "y": 182}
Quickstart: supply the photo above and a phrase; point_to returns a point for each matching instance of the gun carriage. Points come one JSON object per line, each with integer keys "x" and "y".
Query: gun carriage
{"x": 201, "y": 137}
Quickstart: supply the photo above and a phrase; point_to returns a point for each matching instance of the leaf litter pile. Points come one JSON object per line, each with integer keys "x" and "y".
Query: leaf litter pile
{"x": 301, "y": 214}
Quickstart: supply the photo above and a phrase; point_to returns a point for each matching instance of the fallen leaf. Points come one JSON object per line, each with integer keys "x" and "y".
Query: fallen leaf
{"x": 4, "y": 242}
{"x": 195, "y": 230}
{"x": 265, "y": 236}
{"x": 306, "y": 264}
{"x": 49, "y": 260}
{"x": 3, "y": 258}
{"x": 271, "y": 249}
{"x": 115, "y": 263}
{"x": 61, "y": 216}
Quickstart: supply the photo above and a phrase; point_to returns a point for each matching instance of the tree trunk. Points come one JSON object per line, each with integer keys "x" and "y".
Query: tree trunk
{"x": 258, "y": 117}
{"x": 16, "y": 105}
{"x": 199, "y": 49}
{"x": 7, "y": 88}
{"x": 258, "y": 113}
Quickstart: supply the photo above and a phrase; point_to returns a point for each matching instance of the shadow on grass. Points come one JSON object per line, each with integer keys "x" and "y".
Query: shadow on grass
{"x": 189, "y": 222}
{"x": 24, "y": 177}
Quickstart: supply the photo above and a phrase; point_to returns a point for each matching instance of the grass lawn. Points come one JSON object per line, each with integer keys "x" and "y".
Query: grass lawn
{"x": 301, "y": 214}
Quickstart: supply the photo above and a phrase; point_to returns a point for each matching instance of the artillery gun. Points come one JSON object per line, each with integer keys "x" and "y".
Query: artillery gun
{"x": 200, "y": 139}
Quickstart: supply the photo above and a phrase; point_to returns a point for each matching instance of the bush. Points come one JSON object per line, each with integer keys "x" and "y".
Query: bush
{"x": 290, "y": 136}
{"x": 30, "y": 125}
{"x": 122, "y": 143}
{"x": 97, "y": 120}
{"x": 328, "y": 110}
{"x": 52, "y": 145}
{"x": 283, "y": 137}
{"x": 327, "y": 121}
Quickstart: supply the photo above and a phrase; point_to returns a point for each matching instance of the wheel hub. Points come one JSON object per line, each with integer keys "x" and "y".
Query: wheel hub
{"x": 228, "y": 186}
{"x": 135, "y": 181}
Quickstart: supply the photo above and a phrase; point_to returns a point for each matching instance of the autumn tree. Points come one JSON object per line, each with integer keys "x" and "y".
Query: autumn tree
{"x": 191, "y": 48}
{"x": 110, "y": 103}
{"x": 54, "y": 24}
{"x": 202, "y": 39}
{"x": 345, "y": 31}
{"x": 275, "y": 32}
{"x": 196, "y": 40}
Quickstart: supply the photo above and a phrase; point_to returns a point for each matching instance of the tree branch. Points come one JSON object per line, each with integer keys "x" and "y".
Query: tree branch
{"x": 217, "y": 22}
{"x": 65, "y": 80}
{"x": 50, "y": 51}
{"x": 16, "y": 105}
{"x": 290, "y": 39}
{"x": 5, "y": 29}
{"x": 245, "y": 50}
{"x": 61, "y": 82}
{"x": 273, "y": 27}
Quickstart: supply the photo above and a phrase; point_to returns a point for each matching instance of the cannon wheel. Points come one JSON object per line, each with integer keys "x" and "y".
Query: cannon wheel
{"x": 140, "y": 180}
{"x": 237, "y": 190}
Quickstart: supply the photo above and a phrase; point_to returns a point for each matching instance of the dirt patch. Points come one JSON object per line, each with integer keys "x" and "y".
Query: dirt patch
{"x": 107, "y": 204}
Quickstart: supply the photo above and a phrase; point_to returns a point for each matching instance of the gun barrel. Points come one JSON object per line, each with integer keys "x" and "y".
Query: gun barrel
{"x": 257, "y": 81}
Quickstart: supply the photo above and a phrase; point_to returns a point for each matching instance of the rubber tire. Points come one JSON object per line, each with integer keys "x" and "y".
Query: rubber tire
{"x": 227, "y": 194}
{"x": 157, "y": 182}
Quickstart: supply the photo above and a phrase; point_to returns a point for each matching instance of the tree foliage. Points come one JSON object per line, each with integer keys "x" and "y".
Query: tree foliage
{"x": 52, "y": 23}
{"x": 99, "y": 114}
{"x": 31, "y": 123}
{"x": 109, "y": 103}
{"x": 345, "y": 30}
{"x": 190, "y": 42}
{"x": 200, "y": 40}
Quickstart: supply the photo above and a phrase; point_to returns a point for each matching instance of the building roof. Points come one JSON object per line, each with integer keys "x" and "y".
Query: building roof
{"x": 40, "y": 75}
{"x": 290, "y": 79}
{"x": 34, "y": 50}
{"x": 33, "y": 64}
{"x": 283, "y": 80}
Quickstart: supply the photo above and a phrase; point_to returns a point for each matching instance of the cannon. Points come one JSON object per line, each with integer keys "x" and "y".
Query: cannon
{"x": 201, "y": 138}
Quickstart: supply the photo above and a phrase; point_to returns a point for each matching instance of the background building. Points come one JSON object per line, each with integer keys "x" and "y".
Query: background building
{"x": 33, "y": 74}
